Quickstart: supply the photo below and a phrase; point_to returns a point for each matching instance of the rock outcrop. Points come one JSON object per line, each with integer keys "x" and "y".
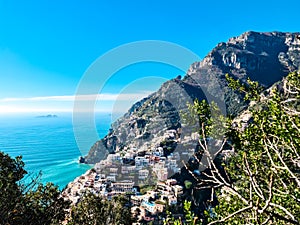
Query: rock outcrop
{"x": 264, "y": 57}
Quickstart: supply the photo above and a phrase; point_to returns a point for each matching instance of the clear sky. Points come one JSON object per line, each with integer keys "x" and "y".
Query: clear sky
{"x": 47, "y": 45}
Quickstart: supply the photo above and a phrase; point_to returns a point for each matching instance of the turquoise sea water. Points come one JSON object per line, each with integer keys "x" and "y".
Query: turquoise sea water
{"x": 48, "y": 144}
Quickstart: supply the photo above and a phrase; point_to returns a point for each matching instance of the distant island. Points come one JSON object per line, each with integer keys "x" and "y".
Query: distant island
{"x": 48, "y": 116}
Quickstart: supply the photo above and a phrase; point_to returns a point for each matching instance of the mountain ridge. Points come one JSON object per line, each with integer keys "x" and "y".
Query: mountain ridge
{"x": 262, "y": 56}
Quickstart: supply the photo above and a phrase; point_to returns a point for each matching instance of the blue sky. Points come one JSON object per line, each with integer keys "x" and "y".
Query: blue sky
{"x": 46, "y": 46}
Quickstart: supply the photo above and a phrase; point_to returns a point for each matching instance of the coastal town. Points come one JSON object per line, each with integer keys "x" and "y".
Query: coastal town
{"x": 143, "y": 174}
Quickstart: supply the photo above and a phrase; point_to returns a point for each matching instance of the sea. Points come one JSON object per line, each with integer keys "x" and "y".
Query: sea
{"x": 48, "y": 145}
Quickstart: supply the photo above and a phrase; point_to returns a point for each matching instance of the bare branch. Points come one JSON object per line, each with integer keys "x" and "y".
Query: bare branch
{"x": 231, "y": 215}
{"x": 283, "y": 162}
{"x": 253, "y": 180}
{"x": 270, "y": 196}
{"x": 283, "y": 209}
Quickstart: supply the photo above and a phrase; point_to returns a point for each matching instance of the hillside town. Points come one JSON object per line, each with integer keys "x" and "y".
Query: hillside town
{"x": 142, "y": 175}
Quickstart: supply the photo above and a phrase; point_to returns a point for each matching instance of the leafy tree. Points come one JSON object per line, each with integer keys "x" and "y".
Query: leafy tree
{"x": 11, "y": 172}
{"x": 264, "y": 174}
{"x": 94, "y": 210}
{"x": 44, "y": 205}
{"x": 260, "y": 182}
{"x": 32, "y": 203}
{"x": 250, "y": 89}
{"x": 189, "y": 218}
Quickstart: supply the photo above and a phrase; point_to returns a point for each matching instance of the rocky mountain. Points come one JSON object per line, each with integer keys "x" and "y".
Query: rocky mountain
{"x": 264, "y": 57}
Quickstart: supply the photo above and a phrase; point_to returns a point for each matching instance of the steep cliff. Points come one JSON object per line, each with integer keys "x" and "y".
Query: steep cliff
{"x": 265, "y": 57}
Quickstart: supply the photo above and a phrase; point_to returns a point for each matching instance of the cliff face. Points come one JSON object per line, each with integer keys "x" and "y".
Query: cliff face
{"x": 255, "y": 55}
{"x": 264, "y": 57}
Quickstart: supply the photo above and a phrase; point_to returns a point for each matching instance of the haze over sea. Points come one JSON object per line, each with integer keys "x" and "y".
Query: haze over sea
{"x": 48, "y": 144}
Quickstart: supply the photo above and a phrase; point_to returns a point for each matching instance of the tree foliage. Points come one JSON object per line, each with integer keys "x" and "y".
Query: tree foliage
{"x": 94, "y": 210}
{"x": 27, "y": 204}
{"x": 260, "y": 182}
{"x": 44, "y": 205}
{"x": 264, "y": 173}
{"x": 11, "y": 171}
{"x": 38, "y": 204}
{"x": 189, "y": 217}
